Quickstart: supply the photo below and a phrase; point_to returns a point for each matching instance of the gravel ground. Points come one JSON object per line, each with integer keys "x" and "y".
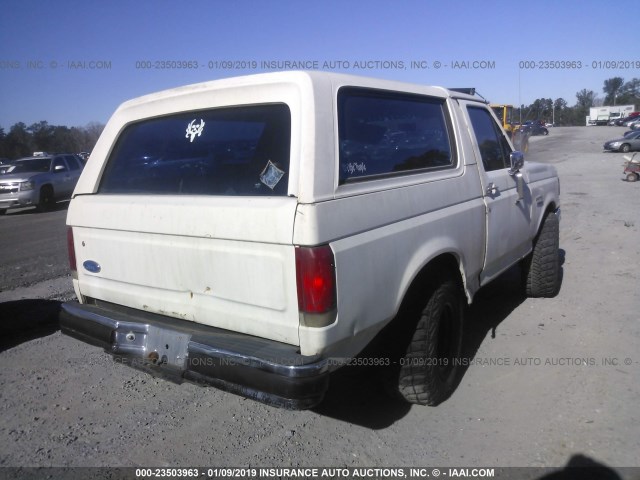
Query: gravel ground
{"x": 552, "y": 382}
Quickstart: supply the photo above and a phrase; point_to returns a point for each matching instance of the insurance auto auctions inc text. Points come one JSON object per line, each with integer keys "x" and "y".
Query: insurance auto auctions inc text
{"x": 375, "y": 473}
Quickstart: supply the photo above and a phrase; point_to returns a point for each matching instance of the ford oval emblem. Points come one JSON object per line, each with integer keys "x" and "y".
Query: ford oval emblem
{"x": 91, "y": 266}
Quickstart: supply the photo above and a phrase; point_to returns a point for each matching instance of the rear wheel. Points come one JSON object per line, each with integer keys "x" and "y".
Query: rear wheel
{"x": 632, "y": 177}
{"x": 46, "y": 198}
{"x": 541, "y": 269}
{"x": 3, "y": 211}
{"x": 429, "y": 367}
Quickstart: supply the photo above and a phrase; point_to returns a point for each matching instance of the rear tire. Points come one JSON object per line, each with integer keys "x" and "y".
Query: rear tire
{"x": 3, "y": 211}
{"x": 541, "y": 269}
{"x": 429, "y": 368}
{"x": 631, "y": 177}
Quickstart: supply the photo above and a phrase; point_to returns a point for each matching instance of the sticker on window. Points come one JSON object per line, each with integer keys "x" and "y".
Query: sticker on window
{"x": 271, "y": 175}
{"x": 194, "y": 130}
{"x": 355, "y": 167}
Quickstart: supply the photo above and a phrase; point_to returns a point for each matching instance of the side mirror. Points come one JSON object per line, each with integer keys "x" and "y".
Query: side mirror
{"x": 517, "y": 162}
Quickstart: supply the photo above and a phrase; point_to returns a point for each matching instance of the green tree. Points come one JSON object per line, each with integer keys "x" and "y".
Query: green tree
{"x": 540, "y": 109}
{"x": 22, "y": 141}
{"x": 42, "y": 135}
{"x": 18, "y": 142}
{"x": 611, "y": 89}
{"x": 629, "y": 93}
{"x": 561, "y": 112}
{"x": 3, "y": 136}
{"x": 585, "y": 100}
{"x": 63, "y": 141}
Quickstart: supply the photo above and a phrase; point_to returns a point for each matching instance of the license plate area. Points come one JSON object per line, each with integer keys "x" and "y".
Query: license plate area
{"x": 154, "y": 345}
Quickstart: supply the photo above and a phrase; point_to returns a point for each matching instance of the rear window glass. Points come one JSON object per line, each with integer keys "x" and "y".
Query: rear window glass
{"x": 227, "y": 151}
{"x": 390, "y": 133}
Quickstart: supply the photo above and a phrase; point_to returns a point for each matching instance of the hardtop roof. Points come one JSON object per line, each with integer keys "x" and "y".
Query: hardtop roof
{"x": 297, "y": 77}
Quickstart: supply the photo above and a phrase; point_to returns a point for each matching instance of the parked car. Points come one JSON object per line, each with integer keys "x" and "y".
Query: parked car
{"x": 623, "y": 122}
{"x": 535, "y": 127}
{"x": 38, "y": 181}
{"x": 635, "y": 125}
{"x": 629, "y": 142}
{"x": 614, "y": 117}
{"x": 238, "y": 233}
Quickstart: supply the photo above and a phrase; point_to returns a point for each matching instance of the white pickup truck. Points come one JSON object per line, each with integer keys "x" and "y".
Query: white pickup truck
{"x": 256, "y": 233}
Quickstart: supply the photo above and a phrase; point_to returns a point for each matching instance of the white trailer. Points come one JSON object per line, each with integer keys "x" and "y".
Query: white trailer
{"x": 602, "y": 115}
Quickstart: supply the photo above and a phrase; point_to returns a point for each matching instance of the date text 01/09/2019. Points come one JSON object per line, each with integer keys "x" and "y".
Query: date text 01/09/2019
{"x": 578, "y": 64}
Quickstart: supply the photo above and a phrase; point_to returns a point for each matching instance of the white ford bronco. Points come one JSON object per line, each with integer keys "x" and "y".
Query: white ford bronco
{"x": 256, "y": 233}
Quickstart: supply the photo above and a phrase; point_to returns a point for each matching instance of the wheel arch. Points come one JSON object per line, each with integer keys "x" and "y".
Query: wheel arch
{"x": 550, "y": 208}
{"x": 400, "y": 333}
{"x": 549, "y": 197}
{"x": 444, "y": 265}
{"x": 42, "y": 186}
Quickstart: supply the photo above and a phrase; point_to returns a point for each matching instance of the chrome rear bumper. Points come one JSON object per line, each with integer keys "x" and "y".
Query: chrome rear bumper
{"x": 257, "y": 368}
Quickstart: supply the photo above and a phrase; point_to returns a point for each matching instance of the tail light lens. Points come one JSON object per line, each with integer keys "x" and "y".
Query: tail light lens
{"x": 72, "y": 251}
{"x": 316, "y": 282}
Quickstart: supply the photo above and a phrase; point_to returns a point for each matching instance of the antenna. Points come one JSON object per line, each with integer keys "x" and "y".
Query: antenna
{"x": 468, "y": 91}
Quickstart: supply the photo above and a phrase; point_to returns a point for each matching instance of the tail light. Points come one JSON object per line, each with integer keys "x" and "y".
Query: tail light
{"x": 316, "y": 282}
{"x": 72, "y": 252}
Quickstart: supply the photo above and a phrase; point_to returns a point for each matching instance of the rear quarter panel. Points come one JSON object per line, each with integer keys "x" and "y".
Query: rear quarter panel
{"x": 383, "y": 232}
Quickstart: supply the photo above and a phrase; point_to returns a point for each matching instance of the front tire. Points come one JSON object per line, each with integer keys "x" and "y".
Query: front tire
{"x": 541, "y": 269}
{"x": 625, "y": 148}
{"x": 631, "y": 177}
{"x": 47, "y": 200}
{"x": 429, "y": 367}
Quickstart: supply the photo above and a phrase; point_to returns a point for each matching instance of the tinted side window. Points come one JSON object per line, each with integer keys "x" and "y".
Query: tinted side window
{"x": 494, "y": 148}
{"x": 388, "y": 133}
{"x": 72, "y": 162}
{"x": 226, "y": 151}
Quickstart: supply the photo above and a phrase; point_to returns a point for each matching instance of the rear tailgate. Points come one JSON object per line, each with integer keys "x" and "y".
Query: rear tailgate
{"x": 221, "y": 261}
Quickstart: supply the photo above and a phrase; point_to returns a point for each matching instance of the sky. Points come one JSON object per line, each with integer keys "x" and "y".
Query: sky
{"x": 72, "y": 62}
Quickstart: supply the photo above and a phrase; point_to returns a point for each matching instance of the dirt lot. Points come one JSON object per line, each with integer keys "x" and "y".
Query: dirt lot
{"x": 550, "y": 379}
